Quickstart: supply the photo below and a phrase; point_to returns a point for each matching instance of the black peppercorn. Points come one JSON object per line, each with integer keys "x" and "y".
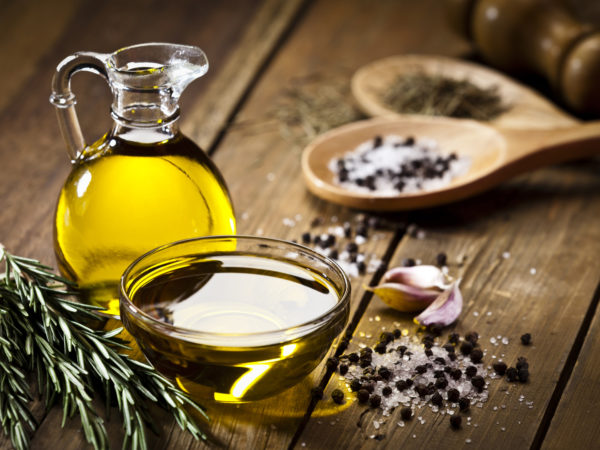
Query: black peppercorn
{"x": 466, "y": 347}
{"x": 499, "y": 367}
{"x": 449, "y": 348}
{"x": 306, "y": 238}
{"x": 364, "y": 362}
{"x": 370, "y": 387}
{"x": 476, "y": 355}
{"x": 355, "y": 385}
{"x": 386, "y": 391}
{"x": 512, "y": 374}
{"x": 421, "y": 369}
{"x": 332, "y": 363}
{"x": 453, "y": 395}
{"x": 375, "y": 401}
{"x": 386, "y": 336}
{"x": 343, "y": 369}
{"x": 478, "y": 382}
{"x": 338, "y": 396}
{"x": 464, "y": 403}
{"x": 526, "y": 339}
{"x": 439, "y": 360}
{"x": 454, "y": 338}
{"x": 452, "y": 356}
{"x": 421, "y": 389}
{"x": 456, "y": 374}
{"x": 441, "y": 383}
{"x": 397, "y": 333}
{"x": 472, "y": 337}
{"x": 523, "y": 375}
{"x": 384, "y": 372}
{"x": 408, "y": 262}
{"x": 441, "y": 259}
{"x": 401, "y": 385}
{"x": 455, "y": 421}
{"x": 361, "y": 230}
{"x": 428, "y": 352}
{"x": 353, "y": 357}
{"x": 363, "y": 396}
{"x": 437, "y": 399}
{"x": 471, "y": 371}
{"x": 380, "y": 347}
{"x": 406, "y": 413}
{"x": 522, "y": 363}
{"x": 409, "y": 382}
{"x": 351, "y": 247}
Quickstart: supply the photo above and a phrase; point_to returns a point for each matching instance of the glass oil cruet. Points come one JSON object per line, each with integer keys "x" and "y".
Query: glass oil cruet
{"x": 143, "y": 184}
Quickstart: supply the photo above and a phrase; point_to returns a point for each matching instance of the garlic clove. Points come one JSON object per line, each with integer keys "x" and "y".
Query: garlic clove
{"x": 444, "y": 310}
{"x": 424, "y": 277}
{"x": 404, "y": 298}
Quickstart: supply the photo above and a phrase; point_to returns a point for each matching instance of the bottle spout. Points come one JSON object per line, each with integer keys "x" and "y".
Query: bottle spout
{"x": 149, "y": 79}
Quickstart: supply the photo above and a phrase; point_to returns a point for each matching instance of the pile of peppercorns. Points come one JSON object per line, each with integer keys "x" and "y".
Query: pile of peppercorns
{"x": 401, "y": 371}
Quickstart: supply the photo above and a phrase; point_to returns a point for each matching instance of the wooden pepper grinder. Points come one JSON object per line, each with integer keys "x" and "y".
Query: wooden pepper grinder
{"x": 536, "y": 36}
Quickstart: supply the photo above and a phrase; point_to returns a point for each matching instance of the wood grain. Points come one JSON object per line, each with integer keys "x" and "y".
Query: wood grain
{"x": 540, "y": 221}
{"x": 575, "y": 423}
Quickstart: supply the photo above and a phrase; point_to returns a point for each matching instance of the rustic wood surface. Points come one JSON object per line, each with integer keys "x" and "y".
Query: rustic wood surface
{"x": 260, "y": 51}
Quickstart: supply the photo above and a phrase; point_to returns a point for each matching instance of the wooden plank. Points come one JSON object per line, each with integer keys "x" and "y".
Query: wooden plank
{"x": 575, "y": 423}
{"x": 541, "y": 221}
{"x": 32, "y": 163}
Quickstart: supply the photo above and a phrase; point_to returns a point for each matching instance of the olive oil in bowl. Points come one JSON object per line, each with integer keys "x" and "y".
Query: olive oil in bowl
{"x": 234, "y": 318}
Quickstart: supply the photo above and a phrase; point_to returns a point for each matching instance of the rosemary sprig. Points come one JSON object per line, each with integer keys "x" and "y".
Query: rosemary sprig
{"x": 45, "y": 333}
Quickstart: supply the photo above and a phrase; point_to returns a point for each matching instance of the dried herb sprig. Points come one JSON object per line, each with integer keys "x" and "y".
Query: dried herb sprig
{"x": 438, "y": 95}
{"x": 44, "y": 332}
{"x": 314, "y": 104}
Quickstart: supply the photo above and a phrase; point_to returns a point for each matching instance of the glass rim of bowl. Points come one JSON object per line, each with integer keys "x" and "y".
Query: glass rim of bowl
{"x": 252, "y": 339}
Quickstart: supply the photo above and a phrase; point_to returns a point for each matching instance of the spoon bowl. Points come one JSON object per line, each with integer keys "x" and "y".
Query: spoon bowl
{"x": 495, "y": 155}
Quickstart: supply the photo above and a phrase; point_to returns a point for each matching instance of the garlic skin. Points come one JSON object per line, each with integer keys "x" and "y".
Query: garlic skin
{"x": 444, "y": 310}
{"x": 405, "y": 298}
{"x": 411, "y": 289}
{"x": 424, "y": 277}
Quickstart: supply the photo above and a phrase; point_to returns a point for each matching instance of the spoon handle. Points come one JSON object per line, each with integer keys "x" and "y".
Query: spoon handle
{"x": 531, "y": 149}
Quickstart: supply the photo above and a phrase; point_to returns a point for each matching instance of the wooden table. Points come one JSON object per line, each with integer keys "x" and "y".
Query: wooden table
{"x": 259, "y": 51}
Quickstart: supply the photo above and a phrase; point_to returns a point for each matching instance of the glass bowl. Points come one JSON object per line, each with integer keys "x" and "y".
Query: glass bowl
{"x": 234, "y": 318}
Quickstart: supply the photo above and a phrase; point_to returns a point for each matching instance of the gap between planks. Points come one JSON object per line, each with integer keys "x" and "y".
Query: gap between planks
{"x": 567, "y": 371}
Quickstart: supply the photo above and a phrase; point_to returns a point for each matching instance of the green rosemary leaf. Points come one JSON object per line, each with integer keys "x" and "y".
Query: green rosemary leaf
{"x": 46, "y": 333}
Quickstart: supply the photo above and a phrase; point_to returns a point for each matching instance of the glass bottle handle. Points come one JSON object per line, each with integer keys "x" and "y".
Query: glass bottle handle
{"x": 64, "y": 100}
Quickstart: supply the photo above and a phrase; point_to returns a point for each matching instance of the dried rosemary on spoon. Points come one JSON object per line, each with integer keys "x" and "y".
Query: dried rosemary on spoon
{"x": 44, "y": 333}
{"x": 438, "y": 95}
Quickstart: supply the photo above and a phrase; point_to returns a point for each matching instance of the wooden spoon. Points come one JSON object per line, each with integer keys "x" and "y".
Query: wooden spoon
{"x": 496, "y": 154}
{"x": 526, "y": 108}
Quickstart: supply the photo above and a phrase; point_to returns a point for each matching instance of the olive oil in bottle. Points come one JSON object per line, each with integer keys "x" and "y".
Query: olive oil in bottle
{"x": 124, "y": 198}
{"x": 240, "y": 323}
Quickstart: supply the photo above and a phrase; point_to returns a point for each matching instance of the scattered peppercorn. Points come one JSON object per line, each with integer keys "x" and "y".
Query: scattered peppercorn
{"x": 306, "y": 238}
{"x": 355, "y": 385}
{"x": 478, "y": 382}
{"x": 449, "y": 348}
{"x": 441, "y": 383}
{"x": 522, "y": 363}
{"x": 386, "y": 336}
{"x": 439, "y": 360}
{"x": 343, "y": 369}
{"x": 353, "y": 357}
{"x": 441, "y": 259}
{"x": 476, "y": 355}
{"x": 526, "y": 339}
{"x": 437, "y": 399}
{"x": 380, "y": 347}
{"x": 455, "y": 421}
{"x": 454, "y": 338}
{"x": 406, "y": 413}
{"x": 453, "y": 395}
{"x": 499, "y": 367}
{"x": 466, "y": 347}
{"x": 512, "y": 374}
{"x": 370, "y": 387}
{"x": 471, "y": 371}
{"x": 363, "y": 396}
{"x": 338, "y": 396}
{"x": 421, "y": 369}
{"x": 456, "y": 374}
{"x": 523, "y": 375}
{"x": 397, "y": 333}
{"x": 472, "y": 337}
{"x": 386, "y": 391}
{"x": 375, "y": 401}
{"x": 332, "y": 363}
{"x": 464, "y": 403}
{"x": 408, "y": 262}
{"x": 428, "y": 352}
{"x": 401, "y": 385}
{"x": 384, "y": 372}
